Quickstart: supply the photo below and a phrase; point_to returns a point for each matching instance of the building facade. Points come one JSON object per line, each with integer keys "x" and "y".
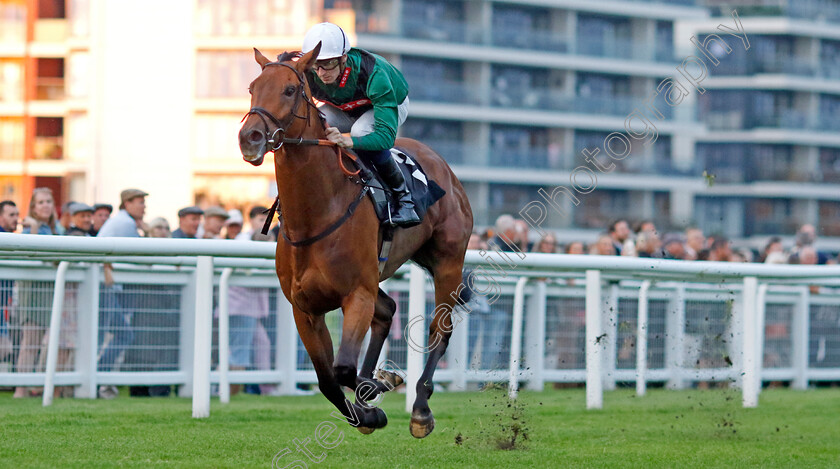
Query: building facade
{"x": 511, "y": 92}
{"x": 97, "y": 96}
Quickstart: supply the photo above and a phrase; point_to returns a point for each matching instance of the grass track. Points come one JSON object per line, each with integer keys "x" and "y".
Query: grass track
{"x": 664, "y": 429}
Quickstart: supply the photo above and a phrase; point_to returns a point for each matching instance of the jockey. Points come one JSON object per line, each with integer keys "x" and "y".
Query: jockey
{"x": 365, "y": 101}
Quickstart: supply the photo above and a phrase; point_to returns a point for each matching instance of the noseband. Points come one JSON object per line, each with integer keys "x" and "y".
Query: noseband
{"x": 277, "y": 138}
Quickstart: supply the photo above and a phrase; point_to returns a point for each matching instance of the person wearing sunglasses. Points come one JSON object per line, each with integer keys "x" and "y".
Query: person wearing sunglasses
{"x": 365, "y": 101}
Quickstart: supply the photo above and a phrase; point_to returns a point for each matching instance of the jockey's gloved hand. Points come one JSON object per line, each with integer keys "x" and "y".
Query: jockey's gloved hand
{"x": 342, "y": 140}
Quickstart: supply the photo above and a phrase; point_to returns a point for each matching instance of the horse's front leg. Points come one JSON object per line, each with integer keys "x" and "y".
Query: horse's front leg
{"x": 358, "y": 313}
{"x": 316, "y": 338}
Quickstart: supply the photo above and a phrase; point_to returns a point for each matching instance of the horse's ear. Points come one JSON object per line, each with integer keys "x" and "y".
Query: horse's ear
{"x": 308, "y": 60}
{"x": 261, "y": 59}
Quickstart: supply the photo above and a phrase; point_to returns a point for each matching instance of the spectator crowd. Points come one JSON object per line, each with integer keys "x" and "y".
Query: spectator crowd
{"x": 24, "y": 315}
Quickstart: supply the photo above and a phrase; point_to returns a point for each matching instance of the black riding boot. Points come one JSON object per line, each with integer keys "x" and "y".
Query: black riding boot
{"x": 404, "y": 215}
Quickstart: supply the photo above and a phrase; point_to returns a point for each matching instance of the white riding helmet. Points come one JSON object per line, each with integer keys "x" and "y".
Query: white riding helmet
{"x": 334, "y": 42}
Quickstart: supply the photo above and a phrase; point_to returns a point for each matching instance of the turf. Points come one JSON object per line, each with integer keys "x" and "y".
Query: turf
{"x": 553, "y": 429}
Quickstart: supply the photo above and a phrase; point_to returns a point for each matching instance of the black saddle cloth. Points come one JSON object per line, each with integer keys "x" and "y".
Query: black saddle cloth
{"x": 424, "y": 191}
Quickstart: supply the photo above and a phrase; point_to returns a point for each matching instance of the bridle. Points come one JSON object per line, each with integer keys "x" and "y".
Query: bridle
{"x": 277, "y": 138}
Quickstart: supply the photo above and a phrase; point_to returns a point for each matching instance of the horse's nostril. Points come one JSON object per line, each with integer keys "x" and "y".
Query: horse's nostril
{"x": 256, "y": 136}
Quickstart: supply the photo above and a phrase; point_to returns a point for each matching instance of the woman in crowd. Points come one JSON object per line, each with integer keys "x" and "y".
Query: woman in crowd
{"x": 34, "y": 303}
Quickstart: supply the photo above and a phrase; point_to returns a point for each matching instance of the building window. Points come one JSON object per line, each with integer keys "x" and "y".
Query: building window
{"x": 438, "y": 80}
{"x": 12, "y": 133}
{"x": 598, "y": 208}
{"x": 11, "y": 79}
{"x": 49, "y": 84}
{"x": 771, "y": 216}
{"x": 252, "y": 18}
{"x": 605, "y": 36}
{"x": 13, "y": 21}
{"x": 445, "y": 137}
{"x": 224, "y": 74}
{"x": 79, "y": 15}
{"x": 518, "y": 147}
{"x": 49, "y": 138}
{"x": 829, "y": 165}
{"x": 509, "y": 199}
{"x": 519, "y": 27}
{"x": 78, "y": 78}
{"x": 829, "y": 218}
{"x": 435, "y": 20}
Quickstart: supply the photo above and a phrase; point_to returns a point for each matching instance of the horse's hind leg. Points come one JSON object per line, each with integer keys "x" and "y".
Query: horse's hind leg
{"x": 316, "y": 338}
{"x": 447, "y": 277}
{"x": 383, "y": 314}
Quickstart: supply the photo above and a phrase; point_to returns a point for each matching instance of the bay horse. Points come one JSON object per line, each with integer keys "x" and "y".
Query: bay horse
{"x": 329, "y": 255}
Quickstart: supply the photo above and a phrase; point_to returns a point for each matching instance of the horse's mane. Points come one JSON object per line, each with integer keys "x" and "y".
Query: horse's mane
{"x": 289, "y": 55}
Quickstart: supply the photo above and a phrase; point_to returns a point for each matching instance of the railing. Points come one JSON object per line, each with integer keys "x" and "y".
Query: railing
{"x": 601, "y": 320}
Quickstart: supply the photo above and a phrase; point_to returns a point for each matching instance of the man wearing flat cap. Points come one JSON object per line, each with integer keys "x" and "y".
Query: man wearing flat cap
{"x": 101, "y": 214}
{"x": 189, "y": 218}
{"x": 116, "y": 332}
{"x": 81, "y": 219}
{"x": 214, "y": 220}
{"x": 129, "y": 220}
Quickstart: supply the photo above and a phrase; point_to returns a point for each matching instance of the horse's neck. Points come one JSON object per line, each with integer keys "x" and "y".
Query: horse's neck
{"x": 308, "y": 181}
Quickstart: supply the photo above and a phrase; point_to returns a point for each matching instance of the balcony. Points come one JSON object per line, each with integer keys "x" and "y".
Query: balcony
{"x": 739, "y": 120}
{"x": 620, "y": 48}
{"x": 531, "y": 40}
{"x": 819, "y": 10}
{"x": 773, "y": 65}
{"x": 445, "y": 92}
{"x": 49, "y": 88}
{"x": 48, "y": 148}
{"x": 452, "y": 151}
{"x": 531, "y": 157}
{"x": 441, "y": 31}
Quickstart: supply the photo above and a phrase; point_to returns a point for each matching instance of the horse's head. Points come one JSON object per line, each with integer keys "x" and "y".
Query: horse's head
{"x": 275, "y": 99}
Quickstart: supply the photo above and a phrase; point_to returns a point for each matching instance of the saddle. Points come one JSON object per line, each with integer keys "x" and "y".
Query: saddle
{"x": 424, "y": 192}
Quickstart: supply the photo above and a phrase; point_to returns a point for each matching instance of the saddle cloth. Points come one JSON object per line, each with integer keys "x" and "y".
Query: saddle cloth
{"x": 424, "y": 192}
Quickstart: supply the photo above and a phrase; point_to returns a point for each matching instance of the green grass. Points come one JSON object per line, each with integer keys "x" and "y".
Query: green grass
{"x": 664, "y": 429}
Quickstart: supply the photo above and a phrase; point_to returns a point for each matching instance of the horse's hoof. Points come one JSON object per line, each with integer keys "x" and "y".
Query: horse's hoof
{"x": 392, "y": 379}
{"x": 421, "y": 425}
{"x": 365, "y": 430}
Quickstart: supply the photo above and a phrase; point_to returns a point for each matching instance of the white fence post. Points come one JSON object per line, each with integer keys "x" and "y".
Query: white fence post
{"x": 641, "y": 340}
{"x": 516, "y": 337}
{"x": 224, "y": 336}
{"x": 761, "y": 312}
{"x": 203, "y": 336}
{"x": 674, "y": 339}
{"x": 415, "y": 333}
{"x": 88, "y": 330}
{"x": 55, "y": 331}
{"x": 186, "y": 336}
{"x": 609, "y": 322}
{"x": 594, "y": 341}
{"x": 801, "y": 324}
{"x": 287, "y": 341}
{"x": 751, "y": 381}
{"x": 535, "y": 336}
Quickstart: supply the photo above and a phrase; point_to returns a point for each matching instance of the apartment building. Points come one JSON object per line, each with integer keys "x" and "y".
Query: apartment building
{"x": 511, "y": 92}
{"x": 97, "y": 96}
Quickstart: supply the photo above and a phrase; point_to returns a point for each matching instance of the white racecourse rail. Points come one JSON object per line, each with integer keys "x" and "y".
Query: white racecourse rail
{"x": 597, "y": 320}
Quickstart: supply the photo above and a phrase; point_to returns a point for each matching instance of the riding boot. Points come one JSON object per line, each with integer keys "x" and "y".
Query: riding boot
{"x": 404, "y": 214}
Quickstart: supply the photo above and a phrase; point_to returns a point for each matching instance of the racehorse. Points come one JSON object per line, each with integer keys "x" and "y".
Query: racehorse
{"x": 329, "y": 255}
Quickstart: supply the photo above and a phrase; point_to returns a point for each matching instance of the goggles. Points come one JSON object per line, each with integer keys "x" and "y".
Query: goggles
{"x": 327, "y": 65}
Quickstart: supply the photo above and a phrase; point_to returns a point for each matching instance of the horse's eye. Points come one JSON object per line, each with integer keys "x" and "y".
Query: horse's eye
{"x": 290, "y": 91}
